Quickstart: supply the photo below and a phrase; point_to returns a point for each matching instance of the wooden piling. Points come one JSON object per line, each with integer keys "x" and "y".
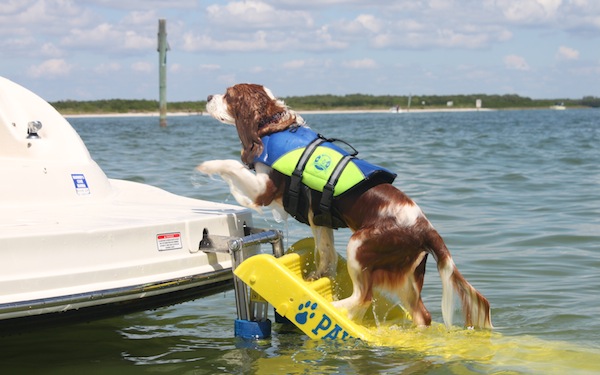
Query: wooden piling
{"x": 162, "y": 75}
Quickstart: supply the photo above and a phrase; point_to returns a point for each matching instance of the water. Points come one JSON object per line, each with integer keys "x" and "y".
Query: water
{"x": 515, "y": 195}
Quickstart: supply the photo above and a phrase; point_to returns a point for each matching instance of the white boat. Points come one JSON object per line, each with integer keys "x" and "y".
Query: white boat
{"x": 558, "y": 107}
{"x": 76, "y": 244}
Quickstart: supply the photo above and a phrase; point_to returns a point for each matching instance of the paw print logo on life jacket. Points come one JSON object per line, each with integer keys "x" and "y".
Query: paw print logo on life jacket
{"x": 305, "y": 312}
{"x": 322, "y": 162}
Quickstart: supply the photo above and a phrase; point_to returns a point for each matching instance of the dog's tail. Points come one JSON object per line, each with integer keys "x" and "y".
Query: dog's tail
{"x": 475, "y": 306}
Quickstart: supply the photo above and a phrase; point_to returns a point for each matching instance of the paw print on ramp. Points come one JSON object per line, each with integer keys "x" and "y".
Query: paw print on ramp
{"x": 306, "y": 311}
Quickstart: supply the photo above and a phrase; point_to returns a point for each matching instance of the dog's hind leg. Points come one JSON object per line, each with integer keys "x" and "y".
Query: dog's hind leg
{"x": 382, "y": 259}
{"x": 409, "y": 291}
{"x": 325, "y": 254}
{"x": 359, "y": 301}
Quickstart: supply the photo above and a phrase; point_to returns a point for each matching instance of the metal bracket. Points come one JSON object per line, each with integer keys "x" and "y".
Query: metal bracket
{"x": 247, "y": 308}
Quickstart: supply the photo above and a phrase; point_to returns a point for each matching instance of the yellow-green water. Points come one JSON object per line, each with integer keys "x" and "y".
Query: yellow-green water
{"x": 436, "y": 350}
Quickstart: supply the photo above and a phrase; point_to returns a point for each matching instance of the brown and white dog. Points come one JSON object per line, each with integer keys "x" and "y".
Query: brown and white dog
{"x": 391, "y": 236}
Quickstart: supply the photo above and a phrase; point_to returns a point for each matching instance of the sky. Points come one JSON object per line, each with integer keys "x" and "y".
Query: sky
{"x": 106, "y": 49}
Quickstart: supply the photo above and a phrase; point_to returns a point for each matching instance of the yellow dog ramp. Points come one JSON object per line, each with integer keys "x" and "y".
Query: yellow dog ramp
{"x": 307, "y": 304}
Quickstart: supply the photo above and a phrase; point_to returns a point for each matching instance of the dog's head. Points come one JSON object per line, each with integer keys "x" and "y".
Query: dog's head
{"x": 255, "y": 112}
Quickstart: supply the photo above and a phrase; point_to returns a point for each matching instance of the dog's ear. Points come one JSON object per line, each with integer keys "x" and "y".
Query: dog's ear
{"x": 246, "y": 107}
{"x": 252, "y": 147}
{"x": 278, "y": 122}
{"x": 277, "y": 116}
{"x": 257, "y": 113}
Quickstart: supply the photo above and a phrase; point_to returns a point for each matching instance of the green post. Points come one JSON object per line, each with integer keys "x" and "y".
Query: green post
{"x": 162, "y": 67}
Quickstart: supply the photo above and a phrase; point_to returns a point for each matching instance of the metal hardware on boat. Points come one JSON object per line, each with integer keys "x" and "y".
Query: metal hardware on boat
{"x": 32, "y": 128}
{"x": 252, "y": 237}
{"x": 252, "y": 322}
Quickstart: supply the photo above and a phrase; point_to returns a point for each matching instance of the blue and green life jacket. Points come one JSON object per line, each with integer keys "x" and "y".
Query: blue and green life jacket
{"x": 319, "y": 173}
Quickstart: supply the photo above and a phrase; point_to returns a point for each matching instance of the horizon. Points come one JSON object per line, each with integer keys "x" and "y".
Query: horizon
{"x": 338, "y": 95}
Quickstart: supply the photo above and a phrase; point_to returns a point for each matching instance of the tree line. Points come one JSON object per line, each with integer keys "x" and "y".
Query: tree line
{"x": 332, "y": 102}
{"x": 107, "y": 106}
{"x": 320, "y": 102}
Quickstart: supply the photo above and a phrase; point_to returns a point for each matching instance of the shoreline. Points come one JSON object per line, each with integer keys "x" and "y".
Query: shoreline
{"x": 401, "y": 111}
{"x": 317, "y": 112}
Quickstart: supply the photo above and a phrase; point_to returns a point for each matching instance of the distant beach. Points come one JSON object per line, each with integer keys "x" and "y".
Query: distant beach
{"x": 133, "y": 114}
{"x": 401, "y": 111}
{"x": 333, "y": 111}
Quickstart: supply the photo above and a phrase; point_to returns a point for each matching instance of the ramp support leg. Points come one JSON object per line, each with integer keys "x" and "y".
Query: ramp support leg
{"x": 252, "y": 321}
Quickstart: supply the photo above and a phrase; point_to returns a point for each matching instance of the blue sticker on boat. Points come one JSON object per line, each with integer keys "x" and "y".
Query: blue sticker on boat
{"x": 81, "y": 185}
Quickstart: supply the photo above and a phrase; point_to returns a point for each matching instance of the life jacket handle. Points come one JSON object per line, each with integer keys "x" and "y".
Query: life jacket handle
{"x": 331, "y": 140}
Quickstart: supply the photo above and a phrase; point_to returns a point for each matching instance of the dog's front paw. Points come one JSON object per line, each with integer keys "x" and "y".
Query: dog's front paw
{"x": 221, "y": 167}
{"x": 210, "y": 167}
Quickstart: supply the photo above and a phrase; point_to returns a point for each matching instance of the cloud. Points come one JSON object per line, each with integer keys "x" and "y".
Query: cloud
{"x": 262, "y": 40}
{"x": 109, "y": 67}
{"x": 49, "y": 17}
{"x": 21, "y": 44}
{"x": 469, "y": 38}
{"x": 143, "y": 4}
{"x": 109, "y": 37}
{"x": 431, "y": 31}
{"x": 49, "y": 49}
{"x": 142, "y": 67}
{"x": 241, "y": 43}
{"x": 529, "y": 11}
{"x": 12, "y": 7}
{"x": 294, "y": 64}
{"x": 360, "y": 64}
{"x": 210, "y": 66}
{"x": 251, "y": 25}
{"x": 227, "y": 79}
{"x": 566, "y": 53}
{"x": 307, "y": 64}
{"x": 140, "y": 17}
{"x": 50, "y": 69}
{"x": 362, "y": 23}
{"x": 514, "y": 62}
{"x": 257, "y": 15}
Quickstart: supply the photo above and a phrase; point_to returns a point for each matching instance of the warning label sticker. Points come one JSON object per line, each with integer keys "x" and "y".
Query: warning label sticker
{"x": 81, "y": 185}
{"x": 169, "y": 241}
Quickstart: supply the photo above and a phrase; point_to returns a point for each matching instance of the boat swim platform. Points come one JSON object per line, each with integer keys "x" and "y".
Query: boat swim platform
{"x": 280, "y": 282}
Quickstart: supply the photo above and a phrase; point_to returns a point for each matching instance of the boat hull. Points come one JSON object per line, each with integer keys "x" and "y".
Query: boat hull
{"x": 74, "y": 242}
{"x": 141, "y": 244}
{"x": 109, "y": 303}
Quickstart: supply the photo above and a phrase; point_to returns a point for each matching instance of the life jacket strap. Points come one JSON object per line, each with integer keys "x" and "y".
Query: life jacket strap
{"x": 327, "y": 196}
{"x": 296, "y": 177}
